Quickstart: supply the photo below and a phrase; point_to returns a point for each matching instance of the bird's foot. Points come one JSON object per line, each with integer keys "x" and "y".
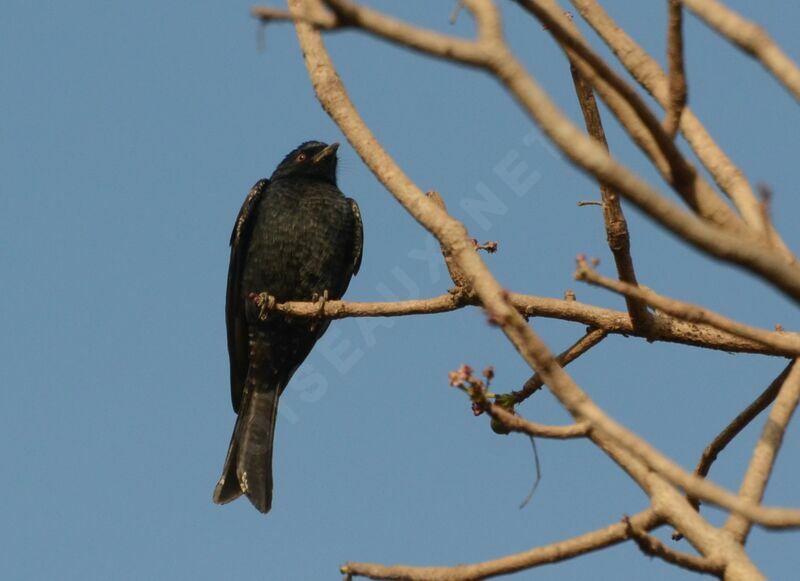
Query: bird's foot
{"x": 265, "y": 303}
{"x": 320, "y": 300}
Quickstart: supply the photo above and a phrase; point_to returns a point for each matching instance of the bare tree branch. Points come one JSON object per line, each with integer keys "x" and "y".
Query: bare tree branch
{"x": 677, "y": 75}
{"x": 663, "y": 328}
{"x": 766, "y": 451}
{"x": 652, "y": 547}
{"x": 460, "y": 280}
{"x": 751, "y": 38}
{"x": 711, "y": 542}
{"x": 786, "y": 342}
{"x": 589, "y": 340}
{"x": 494, "y": 56}
{"x": 616, "y": 226}
{"x": 637, "y": 118}
{"x": 433, "y": 43}
{"x": 312, "y": 13}
{"x": 739, "y": 423}
{"x": 568, "y": 549}
{"x": 494, "y": 298}
{"x": 344, "y": 309}
{"x": 515, "y": 423}
{"x": 715, "y": 233}
{"x": 648, "y": 73}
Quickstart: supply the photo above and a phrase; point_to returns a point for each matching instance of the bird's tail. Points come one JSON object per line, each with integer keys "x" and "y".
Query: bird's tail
{"x": 248, "y": 465}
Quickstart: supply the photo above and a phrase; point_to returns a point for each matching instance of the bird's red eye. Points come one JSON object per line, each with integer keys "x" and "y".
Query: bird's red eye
{"x": 301, "y": 157}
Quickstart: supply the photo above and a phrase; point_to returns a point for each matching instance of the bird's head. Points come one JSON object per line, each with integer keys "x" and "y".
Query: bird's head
{"x": 311, "y": 159}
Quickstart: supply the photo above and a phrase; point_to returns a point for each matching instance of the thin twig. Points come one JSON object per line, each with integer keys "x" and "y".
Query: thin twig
{"x": 313, "y": 13}
{"x": 581, "y": 346}
{"x": 616, "y": 226}
{"x": 677, "y": 75}
{"x": 515, "y": 423}
{"x": 651, "y": 546}
{"x": 456, "y": 11}
{"x": 739, "y": 423}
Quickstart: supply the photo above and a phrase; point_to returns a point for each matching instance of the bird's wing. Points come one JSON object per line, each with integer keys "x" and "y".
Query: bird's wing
{"x": 358, "y": 238}
{"x": 238, "y": 348}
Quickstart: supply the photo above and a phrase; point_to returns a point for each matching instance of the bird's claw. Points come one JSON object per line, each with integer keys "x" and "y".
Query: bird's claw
{"x": 320, "y": 300}
{"x": 265, "y": 303}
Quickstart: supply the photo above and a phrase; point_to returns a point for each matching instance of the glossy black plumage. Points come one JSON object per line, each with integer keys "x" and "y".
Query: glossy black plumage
{"x": 296, "y": 237}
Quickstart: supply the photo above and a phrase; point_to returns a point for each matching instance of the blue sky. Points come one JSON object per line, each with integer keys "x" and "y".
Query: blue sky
{"x": 129, "y": 136}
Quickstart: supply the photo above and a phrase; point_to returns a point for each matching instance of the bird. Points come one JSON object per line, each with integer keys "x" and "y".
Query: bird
{"x": 297, "y": 237}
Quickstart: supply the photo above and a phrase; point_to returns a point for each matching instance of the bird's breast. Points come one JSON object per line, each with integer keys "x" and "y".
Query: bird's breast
{"x": 300, "y": 245}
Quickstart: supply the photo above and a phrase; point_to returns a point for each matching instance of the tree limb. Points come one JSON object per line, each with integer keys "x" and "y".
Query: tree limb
{"x": 494, "y": 298}
{"x": 663, "y": 328}
{"x": 616, "y": 226}
{"x": 651, "y": 546}
{"x": 589, "y": 340}
{"x": 515, "y": 423}
{"x": 494, "y": 56}
{"x": 637, "y": 118}
{"x": 677, "y": 75}
{"x": 649, "y": 74}
{"x": 751, "y": 38}
{"x": 766, "y": 451}
{"x": 739, "y": 423}
{"x": 561, "y": 551}
{"x": 786, "y": 342}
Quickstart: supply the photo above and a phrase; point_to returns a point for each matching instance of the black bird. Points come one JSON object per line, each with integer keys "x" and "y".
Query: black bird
{"x": 297, "y": 238}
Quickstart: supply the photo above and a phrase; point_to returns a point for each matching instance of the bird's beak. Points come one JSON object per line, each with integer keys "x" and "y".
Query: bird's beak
{"x": 326, "y": 153}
